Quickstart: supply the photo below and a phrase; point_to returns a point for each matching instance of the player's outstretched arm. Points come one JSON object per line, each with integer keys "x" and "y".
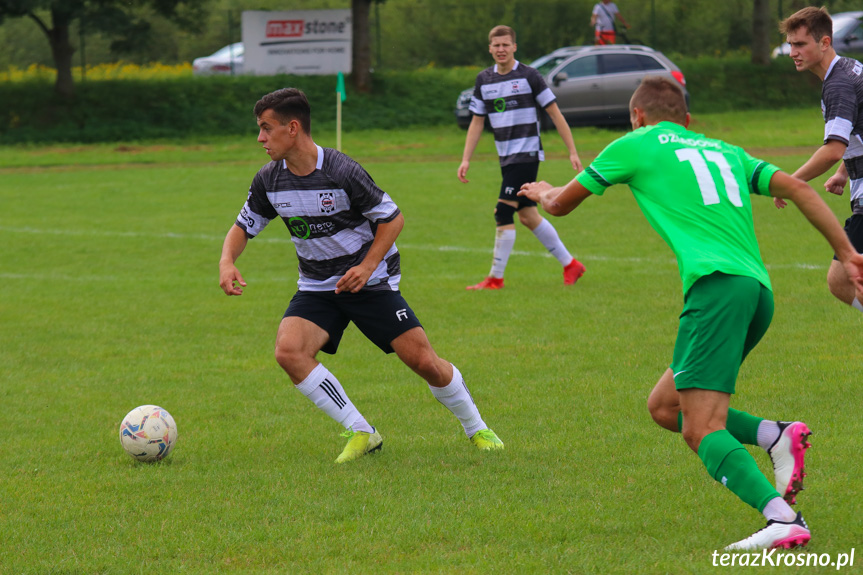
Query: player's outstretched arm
{"x": 823, "y": 219}
{"x": 822, "y": 160}
{"x": 556, "y": 201}
{"x": 230, "y": 279}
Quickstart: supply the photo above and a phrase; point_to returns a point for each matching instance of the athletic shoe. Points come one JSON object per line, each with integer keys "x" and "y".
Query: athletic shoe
{"x": 488, "y": 283}
{"x": 359, "y": 443}
{"x": 787, "y": 453}
{"x": 572, "y": 272}
{"x": 486, "y": 440}
{"x": 786, "y": 535}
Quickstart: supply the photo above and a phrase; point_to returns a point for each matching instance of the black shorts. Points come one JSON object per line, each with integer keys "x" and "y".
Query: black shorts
{"x": 514, "y": 175}
{"x": 854, "y": 231}
{"x": 381, "y": 315}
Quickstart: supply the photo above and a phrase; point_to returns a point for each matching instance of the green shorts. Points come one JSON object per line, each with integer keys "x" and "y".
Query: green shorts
{"x": 724, "y": 317}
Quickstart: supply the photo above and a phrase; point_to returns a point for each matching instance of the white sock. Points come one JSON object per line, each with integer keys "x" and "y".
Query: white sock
{"x": 856, "y": 304}
{"x": 547, "y": 235}
{"x": 456, "y": 397}
{"x": 504, "y": 240}
{"x": 328, "y": 395}
{"x": 777, "y": 509}
{"x": 768, "y": 433}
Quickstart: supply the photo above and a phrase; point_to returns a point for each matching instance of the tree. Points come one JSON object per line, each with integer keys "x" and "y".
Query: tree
{"x": 761, "y": 32}
{"x": 122, "y": 19}
{"x": 361, "y": 50}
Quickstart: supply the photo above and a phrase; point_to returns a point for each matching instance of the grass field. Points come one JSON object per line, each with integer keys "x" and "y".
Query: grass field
{"x": 111, "y": 300}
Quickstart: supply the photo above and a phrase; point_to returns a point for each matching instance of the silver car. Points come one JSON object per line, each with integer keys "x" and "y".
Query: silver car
{"x": 593, "y": 84}
{"x": 227, "y": 60}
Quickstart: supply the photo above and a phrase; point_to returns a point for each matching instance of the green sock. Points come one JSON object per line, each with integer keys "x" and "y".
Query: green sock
{"x": 741, "y": 425}
{"x": 729, "y": 463}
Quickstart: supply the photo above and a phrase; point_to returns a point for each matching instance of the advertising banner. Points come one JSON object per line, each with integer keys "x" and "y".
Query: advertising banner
{"x": 300, "y": 42}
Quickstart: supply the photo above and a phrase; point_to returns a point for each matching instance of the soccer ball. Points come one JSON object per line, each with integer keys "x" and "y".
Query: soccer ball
{"x": 148, "y": 433}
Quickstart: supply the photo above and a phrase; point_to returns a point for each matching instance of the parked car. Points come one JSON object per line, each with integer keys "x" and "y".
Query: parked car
{"x": 593, "y": 84}
{"x": 847, "y": 35}
{"x": 227, "y": 60}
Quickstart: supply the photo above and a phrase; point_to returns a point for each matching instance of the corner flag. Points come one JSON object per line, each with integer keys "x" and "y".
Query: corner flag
{"x": 340, "y": 87}
{"x": 340, "y": 97}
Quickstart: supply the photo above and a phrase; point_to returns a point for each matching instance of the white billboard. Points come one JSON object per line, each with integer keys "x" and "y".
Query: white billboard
{"x": 301, "y": 42}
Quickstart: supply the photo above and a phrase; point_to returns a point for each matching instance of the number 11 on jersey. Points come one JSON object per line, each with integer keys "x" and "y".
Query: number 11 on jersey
{"x": 706, "y": 184}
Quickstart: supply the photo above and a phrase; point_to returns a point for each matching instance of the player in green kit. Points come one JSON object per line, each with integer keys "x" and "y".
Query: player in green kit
{"x": 695, "y": 192}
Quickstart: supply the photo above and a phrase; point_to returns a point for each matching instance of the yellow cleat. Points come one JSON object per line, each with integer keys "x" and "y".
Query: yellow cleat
{"x": 359, "y": 443}
{"x": 486, "y": 440}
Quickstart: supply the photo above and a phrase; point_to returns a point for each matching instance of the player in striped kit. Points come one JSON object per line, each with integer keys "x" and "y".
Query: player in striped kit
{"x": 810, "y": 34}
{"x": 508, "y": 94}
{"x": 344, "y": 228}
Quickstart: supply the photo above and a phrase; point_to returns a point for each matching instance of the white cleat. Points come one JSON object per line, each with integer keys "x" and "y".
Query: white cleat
{"x": 787, "y": 453}
{"x": 786, "y": 535}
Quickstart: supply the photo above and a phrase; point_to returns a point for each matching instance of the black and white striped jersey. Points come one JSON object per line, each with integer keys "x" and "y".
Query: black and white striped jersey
{"x": 842, "y": 107}
{"x": 332, "y": 215}
{"x": 510, "y": 102}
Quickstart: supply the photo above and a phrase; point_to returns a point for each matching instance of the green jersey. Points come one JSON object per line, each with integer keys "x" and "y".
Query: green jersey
{"x": 694, "y": 191}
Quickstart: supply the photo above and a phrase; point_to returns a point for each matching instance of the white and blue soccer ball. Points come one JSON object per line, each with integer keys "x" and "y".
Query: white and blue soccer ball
{"x": 148, "y": 433}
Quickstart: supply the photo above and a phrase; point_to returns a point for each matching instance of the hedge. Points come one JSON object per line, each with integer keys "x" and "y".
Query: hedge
{"x": 194, "y": 107}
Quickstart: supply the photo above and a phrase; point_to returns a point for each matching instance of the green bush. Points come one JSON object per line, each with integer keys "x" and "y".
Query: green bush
{"x": 115, "y": 110}
{"x": 734, "y": 83}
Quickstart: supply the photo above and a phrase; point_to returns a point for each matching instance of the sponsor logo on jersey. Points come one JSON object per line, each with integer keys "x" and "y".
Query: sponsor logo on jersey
{"x": 858, "y": 68}
{"x": 402, "y": 314}
{"x": 250, "y": 221}
{"x": 299, "y": 227}
{"x": 282, "y": 205}
{"x": 327, "y": 202}
{"x": 500, "y": 105}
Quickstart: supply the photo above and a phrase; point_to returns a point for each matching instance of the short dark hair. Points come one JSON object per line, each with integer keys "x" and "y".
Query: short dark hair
{"x": 817, "y": 22}
{"x": 661, "y": 99}
{"x": 287, "y": 104}
{"x": 501, "y": 31}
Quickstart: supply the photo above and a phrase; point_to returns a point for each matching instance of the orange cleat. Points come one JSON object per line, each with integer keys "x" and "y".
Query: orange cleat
{"x": 572, "y": 272}
{"x": 488, "y": 283}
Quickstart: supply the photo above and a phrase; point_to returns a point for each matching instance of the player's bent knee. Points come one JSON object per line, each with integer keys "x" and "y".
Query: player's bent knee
{"x": 292, "y": 359}
{"x": 529, "y": 218}
{"x": 423, "y": 363}
{"x": 503, "y": 214}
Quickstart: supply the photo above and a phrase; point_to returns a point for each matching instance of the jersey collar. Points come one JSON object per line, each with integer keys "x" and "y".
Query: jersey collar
{"x": 514, "y": 68}
{"x": 320, "y": 157}
{"x": 318, "y": 163}
{"x": 832, "y": 63}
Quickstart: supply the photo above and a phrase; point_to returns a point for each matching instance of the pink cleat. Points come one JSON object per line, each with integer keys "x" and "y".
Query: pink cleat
{"x": 787, "y": 453}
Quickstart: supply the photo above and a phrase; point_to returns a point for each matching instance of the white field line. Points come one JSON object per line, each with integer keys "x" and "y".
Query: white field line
{"x": 402, "y": 246}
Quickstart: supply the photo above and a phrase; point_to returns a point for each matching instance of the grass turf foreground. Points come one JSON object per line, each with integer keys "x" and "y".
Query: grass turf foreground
{"x": 111, "y": 300}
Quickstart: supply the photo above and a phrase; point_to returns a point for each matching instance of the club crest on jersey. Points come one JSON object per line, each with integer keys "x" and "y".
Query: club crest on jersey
{"x": 327, "y": 202}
